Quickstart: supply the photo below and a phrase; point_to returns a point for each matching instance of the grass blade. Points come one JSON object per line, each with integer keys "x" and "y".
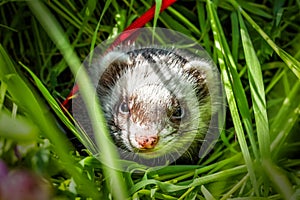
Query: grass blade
{"x": 257, "y": 91}
{"x": 108, "y": 153}
{"x": 291, "y": 62}
{"x": 237, "y": 87}
{"x": 37, "y": 111}
{"x": 222, "y": 53}
{"x": 157, "y": 11}
{"x": 57, "y": 109}
{"x": 17, "y": 128}
{"x": 284, "y": 121}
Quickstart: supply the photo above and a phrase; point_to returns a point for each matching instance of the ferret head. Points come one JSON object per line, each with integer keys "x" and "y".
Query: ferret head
{"x": 155, "y": 101}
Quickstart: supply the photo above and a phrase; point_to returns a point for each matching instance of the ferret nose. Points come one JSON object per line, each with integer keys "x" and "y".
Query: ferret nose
{"x": 147, "y": 142}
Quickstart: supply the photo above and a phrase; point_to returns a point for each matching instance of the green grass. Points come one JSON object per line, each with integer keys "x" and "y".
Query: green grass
{"x": 256, "y": 47}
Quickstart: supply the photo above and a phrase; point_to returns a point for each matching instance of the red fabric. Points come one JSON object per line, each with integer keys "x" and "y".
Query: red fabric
{"x": 138, "y": 23}
{"x": 65, "y": 103}
{"x": 142, "y": 20}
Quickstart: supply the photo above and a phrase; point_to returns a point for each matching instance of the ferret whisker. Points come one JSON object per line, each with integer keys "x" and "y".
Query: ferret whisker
{"x": 189, "y": 131}
{"x": 171, "y": 133}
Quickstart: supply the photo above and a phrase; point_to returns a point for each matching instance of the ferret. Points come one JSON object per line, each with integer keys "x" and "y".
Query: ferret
{"x": 158, "y": 102}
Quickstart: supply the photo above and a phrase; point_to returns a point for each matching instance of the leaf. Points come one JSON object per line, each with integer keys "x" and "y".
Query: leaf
{"x": 291, "y": 62}
{"x": 206, "y": 193}
{"x": 224, "y": 57}
{"x": 285, "y": 119}
{"x": 157, "y": 11}
{"x": 23, "y": 95}
{"x": 257, "y": 92}
{"x": 85, "y": 140}
{"x": 108, "y": 152}
{"x": 19, "y": 129}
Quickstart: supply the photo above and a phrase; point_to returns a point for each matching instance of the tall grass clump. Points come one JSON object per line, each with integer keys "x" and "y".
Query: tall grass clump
{"x": 256, "y": 46}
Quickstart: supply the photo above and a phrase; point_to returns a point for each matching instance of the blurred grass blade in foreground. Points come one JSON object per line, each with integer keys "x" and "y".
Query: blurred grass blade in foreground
{"x": 108, "y": 154}
{"x": 34, "y": 108}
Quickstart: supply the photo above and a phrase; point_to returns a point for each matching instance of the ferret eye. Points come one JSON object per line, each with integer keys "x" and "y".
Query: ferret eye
{"x": 124, "y": 108}
{"x": 178, "y": 113}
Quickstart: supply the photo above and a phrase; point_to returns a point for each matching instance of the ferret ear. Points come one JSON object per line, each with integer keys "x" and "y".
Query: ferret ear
{"x": 114, "y": 58}
{"x": 205, "y": 74}
{"x": 108, "y": 65}
{"x": 112, "y": 65}
{"x": 202, "y": 70}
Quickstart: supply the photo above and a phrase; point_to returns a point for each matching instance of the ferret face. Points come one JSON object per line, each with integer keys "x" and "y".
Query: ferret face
{"x": 153, "y": 102}
{"x": 142, "y": 121}
{"x": 147, "y": 115}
